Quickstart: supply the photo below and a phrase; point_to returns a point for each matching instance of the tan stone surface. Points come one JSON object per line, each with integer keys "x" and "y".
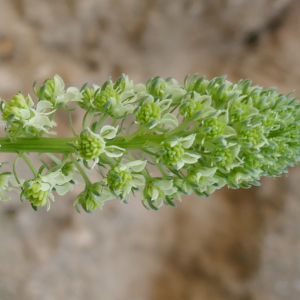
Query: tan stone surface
{"x": 238, "y": 244}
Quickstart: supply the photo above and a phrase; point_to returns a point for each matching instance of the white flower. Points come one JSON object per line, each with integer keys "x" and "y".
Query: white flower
{"x": 59, "y": 86}
{"x": 120, "y": 100}
{"x": 5, "y": 181}
{"x": 195, "y": 104}
{"x": 175, "y": 90}
{"x": 175, "y": 153}
{"x": 36, "y": 118}
{"x": 60, "y": 96}
{"x": 157, "y": 189}
{"x": 153, "y": 111}
{"x": 94, "y": 197}
{"x": 72, "y": 94}
{"x": 122, "y": 180}
{"x": 55, "y": 92}
{"x": 160, "y": 88}
{"x": 58, "y": 181}
{"x": 126, "y": 84}
{"x": 91, "y": 145}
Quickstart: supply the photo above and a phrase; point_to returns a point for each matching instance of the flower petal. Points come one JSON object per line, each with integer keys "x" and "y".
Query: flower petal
{"x": 59, "y": 85}
{"x": 137, "y": 165}
{"x": 188, "y": 141}
{"x": 25, "y": 113}
{"x": 63, "y": 189}
{"x": 164, "y": 184}
{"x": 169, "y": 119}
{"x": 114, "y": 151}
{"x": 137, "y": 180}
{"x": 42, "y": 105}
{"x": 108, "y": 132}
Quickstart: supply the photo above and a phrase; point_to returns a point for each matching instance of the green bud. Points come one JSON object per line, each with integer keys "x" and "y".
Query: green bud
{"x": 88, "y": 201}
{"x": 173, "y": 154}
{"x": 238, "y": 112}
{"x": 104, "y": 96}
{"x": 88, "y": 98}
{"x": 225, "y": 155}
{"x": 191, "y": 108}
{"x": 118, "y": 179}
{"x": 216, "y": 126}
{"x": 49, "y": 90}
{"x": 147, "y": 113}
{"x": 90, "y": 146}
{"x": 13, "y": 106}
{"x": 251, "y": 136}
{"x": 34, "y": 193}
{"x": 93, "y": 197}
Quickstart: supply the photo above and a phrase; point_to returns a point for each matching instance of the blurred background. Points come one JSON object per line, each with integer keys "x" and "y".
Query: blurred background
{"x": 236, "y": 245}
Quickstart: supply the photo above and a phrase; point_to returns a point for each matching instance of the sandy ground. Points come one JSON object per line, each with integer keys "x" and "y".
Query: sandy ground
{"x": 236, "y": 245}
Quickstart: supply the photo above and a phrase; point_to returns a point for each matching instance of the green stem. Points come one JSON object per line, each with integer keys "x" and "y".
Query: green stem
{"x": 36, "y": 144}
{"x": 88, "y": 117}
{"x": 71, "y": 124}
{"x": 62, "y": 145}
{"x": 28, "y": 162}
{"x": 101, "y": 121}
{"x": 114, "y": 122}
{"x": 14, "y": 169}
{"x": 81, "y": 171}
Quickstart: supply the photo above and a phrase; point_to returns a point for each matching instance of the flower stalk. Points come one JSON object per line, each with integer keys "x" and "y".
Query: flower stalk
{"x": 201, "y": 136}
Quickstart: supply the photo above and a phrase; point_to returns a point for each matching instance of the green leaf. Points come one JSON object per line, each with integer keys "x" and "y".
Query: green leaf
{"x": 198, "y": 82}
{"x": 143, "y": 202}
{"x": 84, "y": 87}
{"x": 10, "y": 118}
{"x": 118, "y": 82}
{"x": 103, "y": 88}
{"x": 42, "y": 91}
{"x": 77, "y": 208}
{"x": 35, "y": 208}
{"x": 170, "y": 202}
{"x": 86, "y": 164}
{"x": 151, "y": 205}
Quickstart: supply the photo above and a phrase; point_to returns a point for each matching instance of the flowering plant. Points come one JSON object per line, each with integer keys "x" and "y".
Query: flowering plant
{"x": 201, "y": 136}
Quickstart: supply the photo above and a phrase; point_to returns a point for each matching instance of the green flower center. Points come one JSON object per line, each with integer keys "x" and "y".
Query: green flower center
{"x": 253, "y": 163}
{"x": 217, "y": 128}
{"x": 172, "y": 154}
{"x": 148, "y": 112}
{"x": 251, "y": 136}
{"x": 104, "y": 96}
{"x": 90, "y": 146}
{"x": 189, "y": 110}
{"x": 34, "y": 194}
{"x": 13, "y": 106}
{"x": 238, "y": 112}
{"x": 225, "y": 154}
{"x": 118, "y": 179}
{"x": 269, "y": 121}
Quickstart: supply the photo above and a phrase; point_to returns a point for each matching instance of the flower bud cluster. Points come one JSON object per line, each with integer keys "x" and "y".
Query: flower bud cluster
{"x": 201, "y": 136}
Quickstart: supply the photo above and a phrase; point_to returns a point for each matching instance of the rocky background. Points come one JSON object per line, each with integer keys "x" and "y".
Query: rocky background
{"x": 236, "y": 245}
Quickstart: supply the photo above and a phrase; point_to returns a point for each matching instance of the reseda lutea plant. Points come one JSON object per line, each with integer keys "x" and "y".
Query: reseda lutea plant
{"x": 201, "y": 136}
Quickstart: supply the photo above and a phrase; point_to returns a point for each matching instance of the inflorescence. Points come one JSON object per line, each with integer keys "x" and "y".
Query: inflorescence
{"x": 201, "y": 136}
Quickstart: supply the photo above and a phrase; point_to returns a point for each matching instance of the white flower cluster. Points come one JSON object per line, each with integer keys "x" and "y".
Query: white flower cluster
{"x": 201, "y": 136}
